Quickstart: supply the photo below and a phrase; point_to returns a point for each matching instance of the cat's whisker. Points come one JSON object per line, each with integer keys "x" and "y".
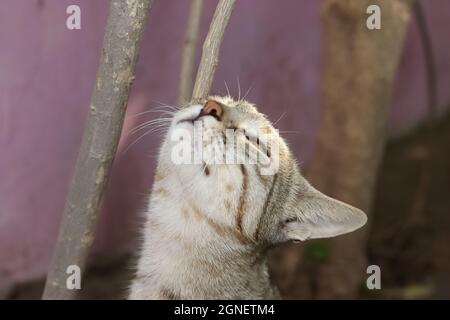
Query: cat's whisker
{"x": 153, "y": 154}
{"x": 160, "y": 119}
{"x": 239, "y": 88}
{"x": 226, "y": 86}
{"x": 155, "y": 130}
{"x": 279, "y": 118}
{"x": 150, "y": 123}
{"x": 168, "y": 106}
{"x": 137, "y": 140}
{"x": 247, "y": 92}
{"x": 161, "y": 109}
{"x": 151, "y": 127}
{"x": 162, "y": 104}
{"x": 165, "y": 112}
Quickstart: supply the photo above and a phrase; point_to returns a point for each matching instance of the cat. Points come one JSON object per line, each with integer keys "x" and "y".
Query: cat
{"x": 209, "y": 226}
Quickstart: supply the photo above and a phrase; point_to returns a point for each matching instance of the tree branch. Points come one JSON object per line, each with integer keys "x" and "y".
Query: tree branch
{"x": 124, "y": 30}
{"x": 188, "y": 57}
{"x": 211, "y": 47}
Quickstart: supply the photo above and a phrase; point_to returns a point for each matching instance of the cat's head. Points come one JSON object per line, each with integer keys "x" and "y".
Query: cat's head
{"x": 240, "y": 176}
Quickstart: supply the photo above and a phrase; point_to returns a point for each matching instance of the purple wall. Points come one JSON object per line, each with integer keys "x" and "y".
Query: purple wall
{"x": 46, "y": 78}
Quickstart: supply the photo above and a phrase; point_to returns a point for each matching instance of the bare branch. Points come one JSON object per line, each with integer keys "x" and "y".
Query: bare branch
{"x": 124, "y": 30}
{"x": 188, "y": 56}
{"x": 211, "y": 47}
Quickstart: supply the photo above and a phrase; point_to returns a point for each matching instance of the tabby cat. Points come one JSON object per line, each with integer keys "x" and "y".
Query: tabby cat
{"x": 209, "y": 224}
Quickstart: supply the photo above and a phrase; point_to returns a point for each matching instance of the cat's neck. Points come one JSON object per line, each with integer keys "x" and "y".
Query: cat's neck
{"x": 184, "y": 257}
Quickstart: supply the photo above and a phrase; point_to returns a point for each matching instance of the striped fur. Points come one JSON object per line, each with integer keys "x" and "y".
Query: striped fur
{"x": 209, "y": 226}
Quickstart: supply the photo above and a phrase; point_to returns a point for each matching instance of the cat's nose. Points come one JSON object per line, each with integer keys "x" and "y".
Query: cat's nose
{"x": 212, "y": 108}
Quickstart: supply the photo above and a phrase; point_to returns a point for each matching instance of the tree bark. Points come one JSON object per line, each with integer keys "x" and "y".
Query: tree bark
{"x": 359, "y": 71}
{"x": 124, "y": 30}
{"x": 211, "y": 48}
{"x": 189, "y": 49}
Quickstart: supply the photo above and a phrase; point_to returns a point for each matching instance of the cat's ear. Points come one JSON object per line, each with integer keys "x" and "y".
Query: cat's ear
{"x": 319, "y": 216}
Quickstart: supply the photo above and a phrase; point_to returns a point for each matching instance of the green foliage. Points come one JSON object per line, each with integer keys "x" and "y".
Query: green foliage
{"x": 318, "y": 250}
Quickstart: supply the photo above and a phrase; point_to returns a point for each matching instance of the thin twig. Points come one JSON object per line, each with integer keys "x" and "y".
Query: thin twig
{"x": 211, "y": 48}
{"x": 189, "y": 49}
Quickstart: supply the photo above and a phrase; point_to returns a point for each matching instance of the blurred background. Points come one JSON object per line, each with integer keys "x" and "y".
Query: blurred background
{"x": 277, "y": 53}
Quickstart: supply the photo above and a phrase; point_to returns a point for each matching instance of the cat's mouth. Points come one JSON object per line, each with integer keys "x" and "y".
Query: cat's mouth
{"x": 211, "y": 109}
{"x": 193, "y": 118}
{"x": 188, "y": 119}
